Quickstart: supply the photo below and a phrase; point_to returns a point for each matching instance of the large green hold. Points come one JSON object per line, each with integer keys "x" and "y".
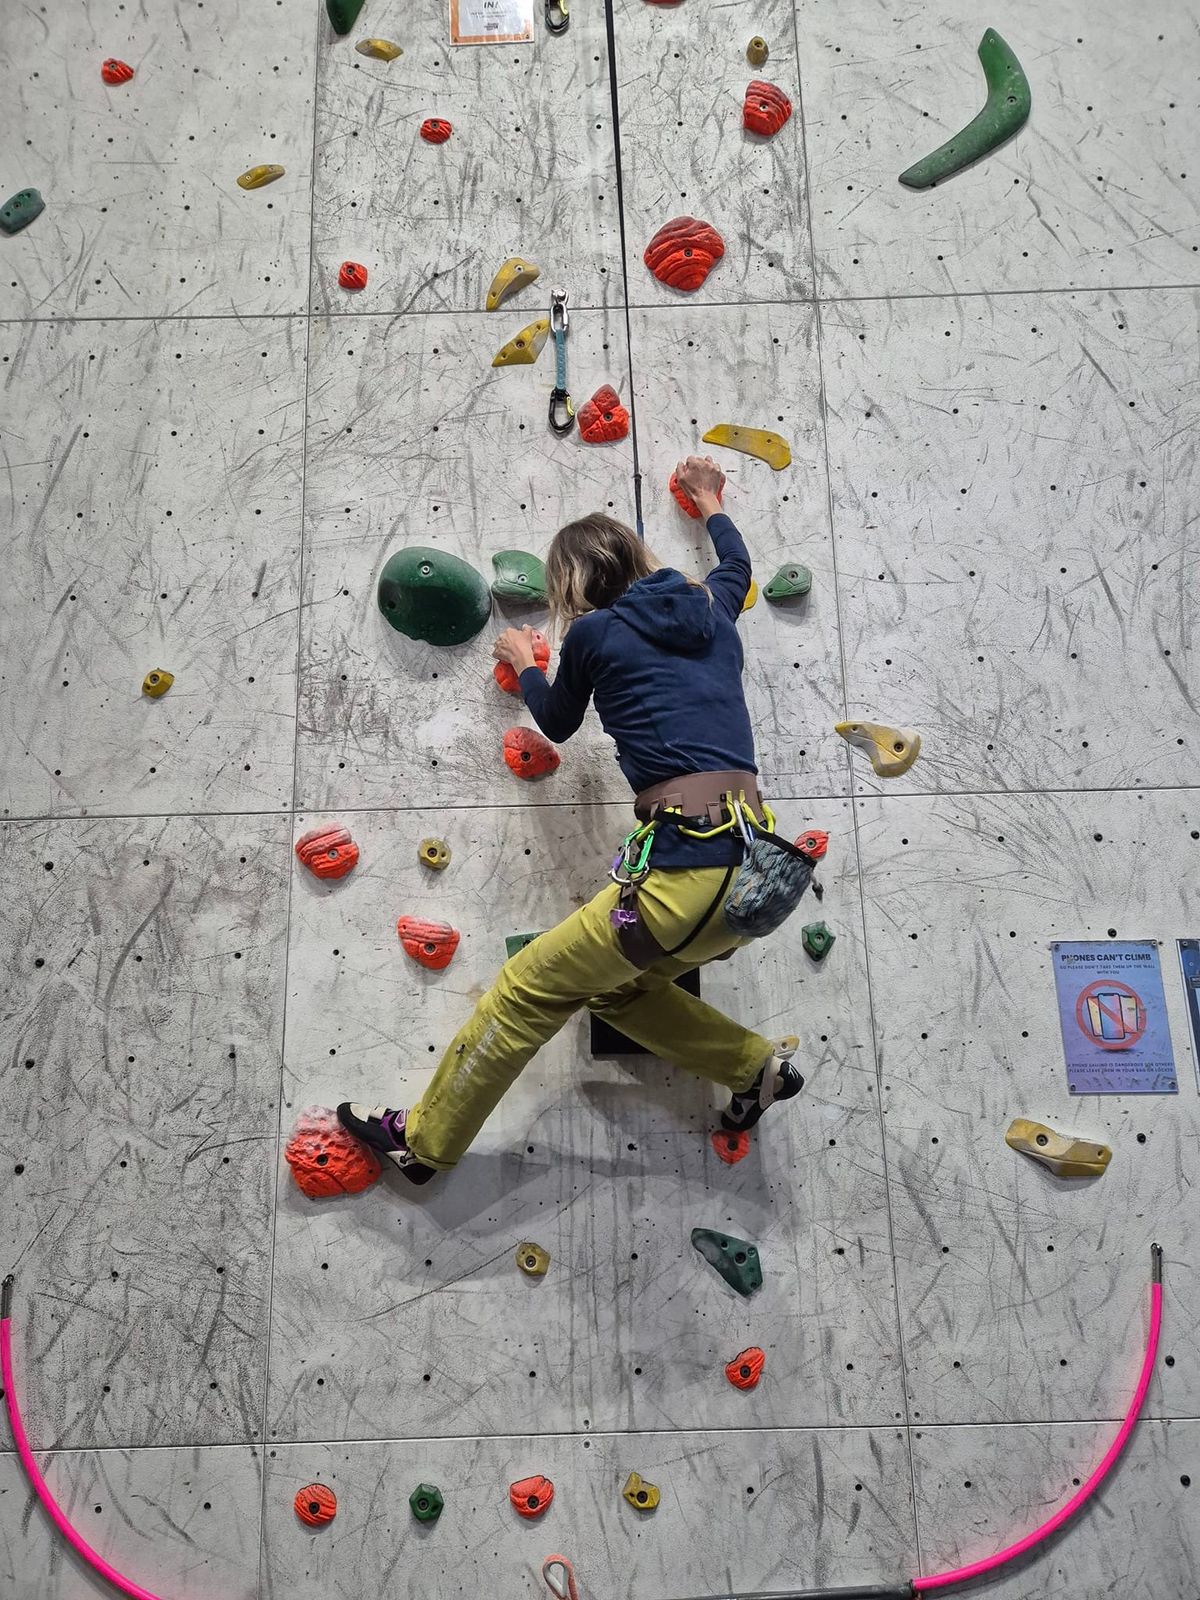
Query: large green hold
{"x": 735, "y": 1259}
{"x": 1004, "y": 111}
{"x": 19, "y": 210}
{"x": 789, "y": 583}
{"x": 343, "y": 13}
{"x": 430, "y": 595}
{"x": 519, "y": 576}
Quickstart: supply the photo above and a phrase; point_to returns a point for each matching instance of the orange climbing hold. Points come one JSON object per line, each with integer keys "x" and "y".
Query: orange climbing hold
{"x": 431, "y": 943}
{"x": 327, "y": 852}
{"x": 683, "y": 252}
{"x": 315, "y": 1504}
{"x": 603, "y": 419}
{"x": 813, "y": 843}
{"x": 683, "y": 500}
{"x": 745, "y": 1370}
{"x": 352, "y": 275}
{"x": 506, "y": 676}
{"x": 435, "y": 130}
{"x": 325, "y": 1159}
{"x": 529, "y": 754}
{"x": 765, "y": 108}
{"x": 114, "y": 71}
{"x": 531, "y": 1496}
{"x": 731, "y": 1147}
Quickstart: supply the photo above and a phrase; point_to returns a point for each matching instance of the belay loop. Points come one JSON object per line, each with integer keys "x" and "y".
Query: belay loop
{"x": 558, "y": 15}
{"x": 562, "y": 407}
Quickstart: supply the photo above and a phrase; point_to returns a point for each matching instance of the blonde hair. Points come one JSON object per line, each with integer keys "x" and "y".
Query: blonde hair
{"x": 591, "y": 563}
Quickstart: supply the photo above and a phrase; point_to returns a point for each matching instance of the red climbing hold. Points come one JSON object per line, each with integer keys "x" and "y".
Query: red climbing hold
{"x": 431, "y": 943}
{"x": 528, "y": 754}
{"x": 531, "y": 1496}
{"x": 114, "y": 71}
{"x": 603, "y": 419}
{"x": 435, "y": 130}
{"x": 327, "y": 852}
{"x": 352, "y": 275}
{"x": 745, "y": 1370}
{"x": 325, "y": 1159}
{"x": 315, "y": 1504}
{"x": 731, "y": 1147}
{"x": 813, "y": 843}
{"x": 684, "y": 500}
{"x": 683, "y": 252}
{"x": 765, "y": 108}
{"x": 506, "y": 676}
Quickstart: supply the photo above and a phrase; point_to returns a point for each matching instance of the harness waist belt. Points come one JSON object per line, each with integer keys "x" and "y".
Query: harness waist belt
{"x": 697, "y": 796}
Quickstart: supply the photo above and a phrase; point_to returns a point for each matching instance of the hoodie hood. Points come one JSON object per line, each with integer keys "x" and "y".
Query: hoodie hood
{"x": 669, "y": 611}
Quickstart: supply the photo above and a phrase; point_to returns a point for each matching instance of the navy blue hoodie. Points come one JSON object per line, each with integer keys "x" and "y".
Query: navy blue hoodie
{"x": 664, "y": 663}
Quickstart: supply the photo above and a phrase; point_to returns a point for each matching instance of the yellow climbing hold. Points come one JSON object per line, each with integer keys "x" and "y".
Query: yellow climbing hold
{"x": 379, "y": 49}
{"x": 760, "y": 442}
{"x": 515, "y": 275}
{"x": 757, "y": 51}
{"x": 255, "y": 177}
{"x": 751, "y": 596}
{"x": 155, "y": 684}
{"x": 533, "y": 1261}
{"x": 892, "y": 750}
{"x": 1067, "y": 1158}
{"x": 523, "y": 350}
{"x": 640, "y": 1494}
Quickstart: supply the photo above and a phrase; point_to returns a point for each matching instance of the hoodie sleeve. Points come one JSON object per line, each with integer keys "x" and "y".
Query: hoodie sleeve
{"x": 730, "y": 578}
{"x": 558, "y": 707}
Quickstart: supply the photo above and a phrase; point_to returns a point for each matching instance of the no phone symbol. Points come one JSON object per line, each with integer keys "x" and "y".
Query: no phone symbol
{"x": 1110, "y": 1014}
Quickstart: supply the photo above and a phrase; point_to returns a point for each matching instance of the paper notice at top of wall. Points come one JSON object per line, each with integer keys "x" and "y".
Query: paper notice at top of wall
{"x": 491, "y": 21}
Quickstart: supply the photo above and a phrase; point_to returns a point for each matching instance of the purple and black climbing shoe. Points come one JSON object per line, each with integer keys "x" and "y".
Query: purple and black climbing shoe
{"x": 383, "y": 1130}
{"x": 778, "y": 1080}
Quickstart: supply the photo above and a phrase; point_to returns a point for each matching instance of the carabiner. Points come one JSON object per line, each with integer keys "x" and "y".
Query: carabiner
{"x": 563, "y": 8}
{"x": 560, "y": 397}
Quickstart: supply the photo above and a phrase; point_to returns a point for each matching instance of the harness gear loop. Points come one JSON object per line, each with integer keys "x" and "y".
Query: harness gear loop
{"x": 560, "y": 9}
{"x": 562, "y": 407}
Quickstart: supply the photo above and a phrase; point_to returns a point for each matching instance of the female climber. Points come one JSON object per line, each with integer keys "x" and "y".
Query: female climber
{"x": 660, "y": 654}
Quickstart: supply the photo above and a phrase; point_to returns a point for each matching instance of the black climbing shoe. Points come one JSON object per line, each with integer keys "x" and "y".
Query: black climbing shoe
{"x": 383, "y": 1130}
{"x": 778, "y": 1080}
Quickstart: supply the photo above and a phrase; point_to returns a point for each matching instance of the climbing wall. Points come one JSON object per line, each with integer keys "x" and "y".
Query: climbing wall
{"x": 210, "y": 450}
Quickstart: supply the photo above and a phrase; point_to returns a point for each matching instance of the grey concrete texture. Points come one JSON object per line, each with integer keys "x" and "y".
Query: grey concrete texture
{"x": 211, "y": 449}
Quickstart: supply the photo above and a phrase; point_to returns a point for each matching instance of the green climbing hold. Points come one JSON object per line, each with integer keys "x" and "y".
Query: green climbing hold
{"x": 516, "y": 942}
{"x": 735, "y": 1259}
{"x": 430, "y": 595}
{"x": 343, "y": 13}
{"x": 426, "y": 1502}
{"x": 519, "y": 576}
{"x": 789, "y": 583}
{"x": 1004, "y": 111}
{"x": 19, "y": 210}
{"x": 817, "y": 940}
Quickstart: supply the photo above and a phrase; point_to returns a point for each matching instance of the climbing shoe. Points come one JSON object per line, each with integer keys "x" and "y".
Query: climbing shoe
{"x": 383, "y": 1130}
{"x": 778, "y": 1080}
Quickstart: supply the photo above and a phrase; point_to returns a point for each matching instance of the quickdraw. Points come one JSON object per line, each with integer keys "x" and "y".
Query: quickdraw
{"x": 558, "y": 15}
{"x": 562, "y": 407}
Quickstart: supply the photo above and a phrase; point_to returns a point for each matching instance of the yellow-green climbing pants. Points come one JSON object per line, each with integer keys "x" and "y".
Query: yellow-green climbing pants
{"x": 580, "y": 963}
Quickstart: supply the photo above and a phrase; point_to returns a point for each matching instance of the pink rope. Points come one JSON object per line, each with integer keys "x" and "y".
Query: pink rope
{"x": 944, "y": 1580}
{"x": 563, "y": 1587}
{"x": 75, "y": 1540}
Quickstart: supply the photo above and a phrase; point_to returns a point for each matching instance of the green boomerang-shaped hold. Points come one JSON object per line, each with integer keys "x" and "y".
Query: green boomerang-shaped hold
{"x": 1005, "y": 110}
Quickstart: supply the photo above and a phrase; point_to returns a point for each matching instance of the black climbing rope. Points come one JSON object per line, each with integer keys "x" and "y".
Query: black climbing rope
{"x": 616, "y": 124}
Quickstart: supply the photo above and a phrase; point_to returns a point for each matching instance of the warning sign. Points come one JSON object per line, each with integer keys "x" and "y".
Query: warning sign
{"x": 1114, "y": 1018}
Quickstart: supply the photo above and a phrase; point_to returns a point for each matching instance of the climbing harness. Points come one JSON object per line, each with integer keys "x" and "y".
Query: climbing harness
{"x": 558, "y": 15}
{"x": 562, "y": 407}
{"x": 767, "y": 883}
